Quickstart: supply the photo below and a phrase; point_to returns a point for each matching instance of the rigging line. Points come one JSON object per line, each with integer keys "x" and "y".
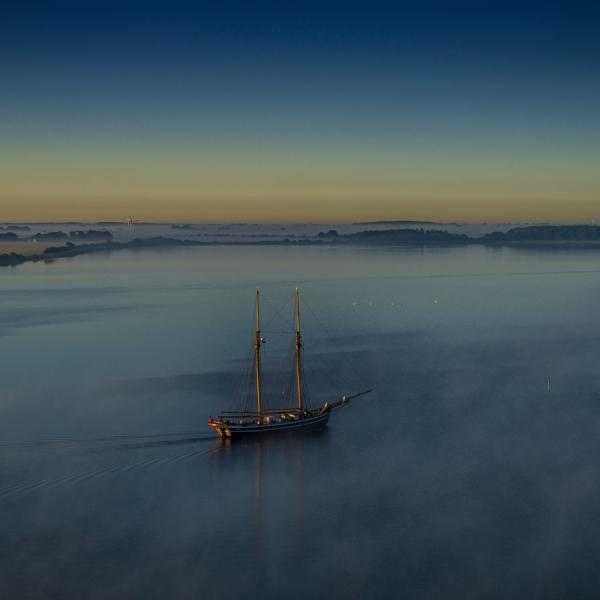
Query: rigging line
{"x": 337, "y": 381}
{"x": 339, "y": 372}
{"x": 287, "y": 373}
{"x": 354, "y": 368}
{"x": 277, "y": 385}
{"x": 249, "y": 388}
{"x": 244, "y": 387}
{"x": 291, "y": 378}
{"x": 271, "y": 332}
{"x": 242, "y": 395}
{"x": 306, "y": 388}
{"x": 280, "y": 377}
{"x": 242, "y": 384}
{"x": 277, "y": 312}
{"x": 241, "y": 379}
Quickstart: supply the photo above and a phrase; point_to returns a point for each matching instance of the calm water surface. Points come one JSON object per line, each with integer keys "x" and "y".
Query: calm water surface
{"x": 472, "y": 470}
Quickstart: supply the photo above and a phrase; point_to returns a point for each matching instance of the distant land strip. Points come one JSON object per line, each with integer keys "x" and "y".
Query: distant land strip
{"x": 403, "y": 223}
{"x": 546, "y": 235}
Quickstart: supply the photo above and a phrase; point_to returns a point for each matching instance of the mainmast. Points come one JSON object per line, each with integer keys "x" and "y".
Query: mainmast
{"x": 298, "y": 347}
{"x": 257, "y": 355}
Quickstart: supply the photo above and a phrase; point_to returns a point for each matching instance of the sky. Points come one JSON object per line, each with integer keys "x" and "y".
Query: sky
{"x": 300, "y": 111}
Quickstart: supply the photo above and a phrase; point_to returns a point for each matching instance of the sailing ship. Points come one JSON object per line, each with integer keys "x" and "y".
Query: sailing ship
{"x": 300, "y": 417}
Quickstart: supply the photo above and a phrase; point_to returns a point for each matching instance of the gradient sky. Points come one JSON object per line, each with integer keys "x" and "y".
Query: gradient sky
{"x": 300, "y": 111}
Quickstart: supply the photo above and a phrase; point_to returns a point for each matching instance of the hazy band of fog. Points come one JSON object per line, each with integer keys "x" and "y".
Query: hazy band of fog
{"x": 470, "y": 472}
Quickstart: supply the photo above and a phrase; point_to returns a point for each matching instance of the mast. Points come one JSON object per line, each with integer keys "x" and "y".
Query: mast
{"x": 257, "y": 355}
{"x": 298, "y": 347}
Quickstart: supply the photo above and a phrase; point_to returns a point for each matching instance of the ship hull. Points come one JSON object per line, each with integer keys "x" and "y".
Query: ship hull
{"x": 299, "y": 425}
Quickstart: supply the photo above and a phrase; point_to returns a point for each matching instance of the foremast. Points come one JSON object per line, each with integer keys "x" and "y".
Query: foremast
{"x": 298, "y": 353}
{"x": 257, "y": 343}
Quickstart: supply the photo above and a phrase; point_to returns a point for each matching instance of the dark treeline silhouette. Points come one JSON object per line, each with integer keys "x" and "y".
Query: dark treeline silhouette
{"x": 529, "y": 234}
{"x": 406, "y": 236}
{"x": 102, "y": 240}
{"x": 547, "y": 233}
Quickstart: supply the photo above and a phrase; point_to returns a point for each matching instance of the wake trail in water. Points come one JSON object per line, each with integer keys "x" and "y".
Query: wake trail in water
{"x": 20, "y": 490}
{"x": 118, "y": 438}
{"x": 138, "y": 445}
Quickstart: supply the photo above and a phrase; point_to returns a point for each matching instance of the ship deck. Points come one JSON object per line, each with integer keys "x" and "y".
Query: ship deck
{"x": 240, "y": 424}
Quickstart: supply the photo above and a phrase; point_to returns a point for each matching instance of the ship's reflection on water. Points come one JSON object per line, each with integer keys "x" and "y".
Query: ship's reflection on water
{"x": 462, "y": 476}
{"x": 278, "y": 459}
{"x": 269, "y": 473}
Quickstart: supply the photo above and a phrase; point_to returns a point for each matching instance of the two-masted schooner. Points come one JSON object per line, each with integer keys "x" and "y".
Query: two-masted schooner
{"x": 286, "y": 419}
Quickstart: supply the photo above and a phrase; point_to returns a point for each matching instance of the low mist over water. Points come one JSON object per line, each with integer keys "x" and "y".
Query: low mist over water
{"x": 471, "y": 471}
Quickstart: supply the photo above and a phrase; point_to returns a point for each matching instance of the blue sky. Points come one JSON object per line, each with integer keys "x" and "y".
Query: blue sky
{"x": 456, "y": 109}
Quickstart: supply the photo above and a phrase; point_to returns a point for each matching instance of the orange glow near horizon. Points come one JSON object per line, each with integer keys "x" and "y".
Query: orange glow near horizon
{"x": 312, "y": 184}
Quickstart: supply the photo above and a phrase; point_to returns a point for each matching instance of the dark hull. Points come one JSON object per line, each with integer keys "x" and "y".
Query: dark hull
{"x": 306, "y": 424}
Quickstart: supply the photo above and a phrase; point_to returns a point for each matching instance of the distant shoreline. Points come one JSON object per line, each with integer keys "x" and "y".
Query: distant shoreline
{"x": 549, "y": 236}
{"x": 404, "y": 222}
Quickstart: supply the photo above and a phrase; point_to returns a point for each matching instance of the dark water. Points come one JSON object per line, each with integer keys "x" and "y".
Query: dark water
{"x": 462, "y": 476}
